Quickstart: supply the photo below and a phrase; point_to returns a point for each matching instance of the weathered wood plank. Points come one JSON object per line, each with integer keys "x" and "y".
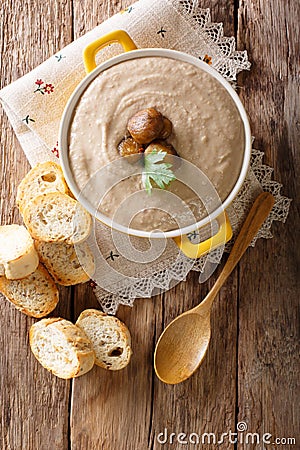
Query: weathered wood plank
{"x": 34, "y": 404}
{"x": 128, "y": 410}
{"x": 269, "y": 285}
{"x": 207, "y": 402}
{"x": 222, "y": 12}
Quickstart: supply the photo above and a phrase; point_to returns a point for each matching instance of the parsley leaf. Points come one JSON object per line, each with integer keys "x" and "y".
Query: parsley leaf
{"x": 157, "y": 171}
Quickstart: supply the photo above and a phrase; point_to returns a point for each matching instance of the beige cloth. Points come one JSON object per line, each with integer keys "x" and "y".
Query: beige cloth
{"x": 35, "y": 103}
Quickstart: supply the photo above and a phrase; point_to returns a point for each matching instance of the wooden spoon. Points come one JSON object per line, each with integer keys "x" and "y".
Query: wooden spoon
{"x": 183, "y": 344}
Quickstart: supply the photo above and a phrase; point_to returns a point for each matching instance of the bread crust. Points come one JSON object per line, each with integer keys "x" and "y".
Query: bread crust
{"x": 62, "y": 262}
{"x": 18, "y": 257}
{"x": 40, "y": 284}
{"x": 43, "y": 178}
{"x": 75, "y": 339}
{"x": 41, "y": 219}
{"x": 103, "y": 359}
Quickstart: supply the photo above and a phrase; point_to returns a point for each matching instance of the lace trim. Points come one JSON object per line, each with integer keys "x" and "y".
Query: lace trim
{"x": 229, "y": 61}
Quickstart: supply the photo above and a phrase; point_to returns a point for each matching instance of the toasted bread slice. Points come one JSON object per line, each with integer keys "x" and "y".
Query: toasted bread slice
{"x": 109, "y": 336}
{"x": 68, "y": 264}
{"x": 56, "y": 217}
{"x": 35, "y": 295}
{"x": 43, "y": 178}
{"x": 18, "y": 257}
{"x": 61, "y": 347}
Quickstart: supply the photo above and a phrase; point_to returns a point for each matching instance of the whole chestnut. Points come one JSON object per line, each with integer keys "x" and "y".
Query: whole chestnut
{"x": 128, "y": 147}
{"x": 167, "y": 129}
{"x": 146, "y": 125}
{"x": 163, "y": 146}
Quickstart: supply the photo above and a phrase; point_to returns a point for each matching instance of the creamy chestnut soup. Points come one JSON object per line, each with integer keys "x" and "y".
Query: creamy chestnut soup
{"x": 207, "y": 132}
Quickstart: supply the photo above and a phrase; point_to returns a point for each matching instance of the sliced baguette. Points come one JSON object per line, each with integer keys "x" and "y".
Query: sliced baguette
{"x": 56, "y": 217}
{"x": 18, "y": 257}
{"x": 35, "y": 295}
{"x": 61, "y": 347}
{"x": 109, "y": 336}
{"x": 43, "y": 178}
{"x": 68, "y": 264}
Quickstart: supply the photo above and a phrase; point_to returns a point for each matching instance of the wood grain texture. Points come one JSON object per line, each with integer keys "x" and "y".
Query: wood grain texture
{"x": 34, "y": 404}
{"x": 250, "y": 371}
{"x": 135, "y": 404}
{"x": 268, "y": 349}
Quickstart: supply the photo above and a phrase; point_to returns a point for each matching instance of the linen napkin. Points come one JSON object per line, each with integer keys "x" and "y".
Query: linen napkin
{"x": 35, "y": 104}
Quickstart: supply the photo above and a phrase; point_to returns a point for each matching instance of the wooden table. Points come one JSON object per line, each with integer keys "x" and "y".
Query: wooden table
{"x": 250, "y": 372}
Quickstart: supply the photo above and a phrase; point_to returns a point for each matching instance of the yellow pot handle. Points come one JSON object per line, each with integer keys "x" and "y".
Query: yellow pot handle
{"x": 119, "y": 36}
{"x": 194, "y": 251}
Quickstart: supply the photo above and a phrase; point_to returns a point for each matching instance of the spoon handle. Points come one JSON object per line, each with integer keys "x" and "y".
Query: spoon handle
{"x": 256, "y": 217}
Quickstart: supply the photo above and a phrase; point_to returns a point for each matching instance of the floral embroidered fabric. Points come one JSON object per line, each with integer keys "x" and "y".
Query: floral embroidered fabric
{"x": 35, "y": 103}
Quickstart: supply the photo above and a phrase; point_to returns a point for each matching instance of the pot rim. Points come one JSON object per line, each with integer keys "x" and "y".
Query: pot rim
{"x": 68, "y": 116}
